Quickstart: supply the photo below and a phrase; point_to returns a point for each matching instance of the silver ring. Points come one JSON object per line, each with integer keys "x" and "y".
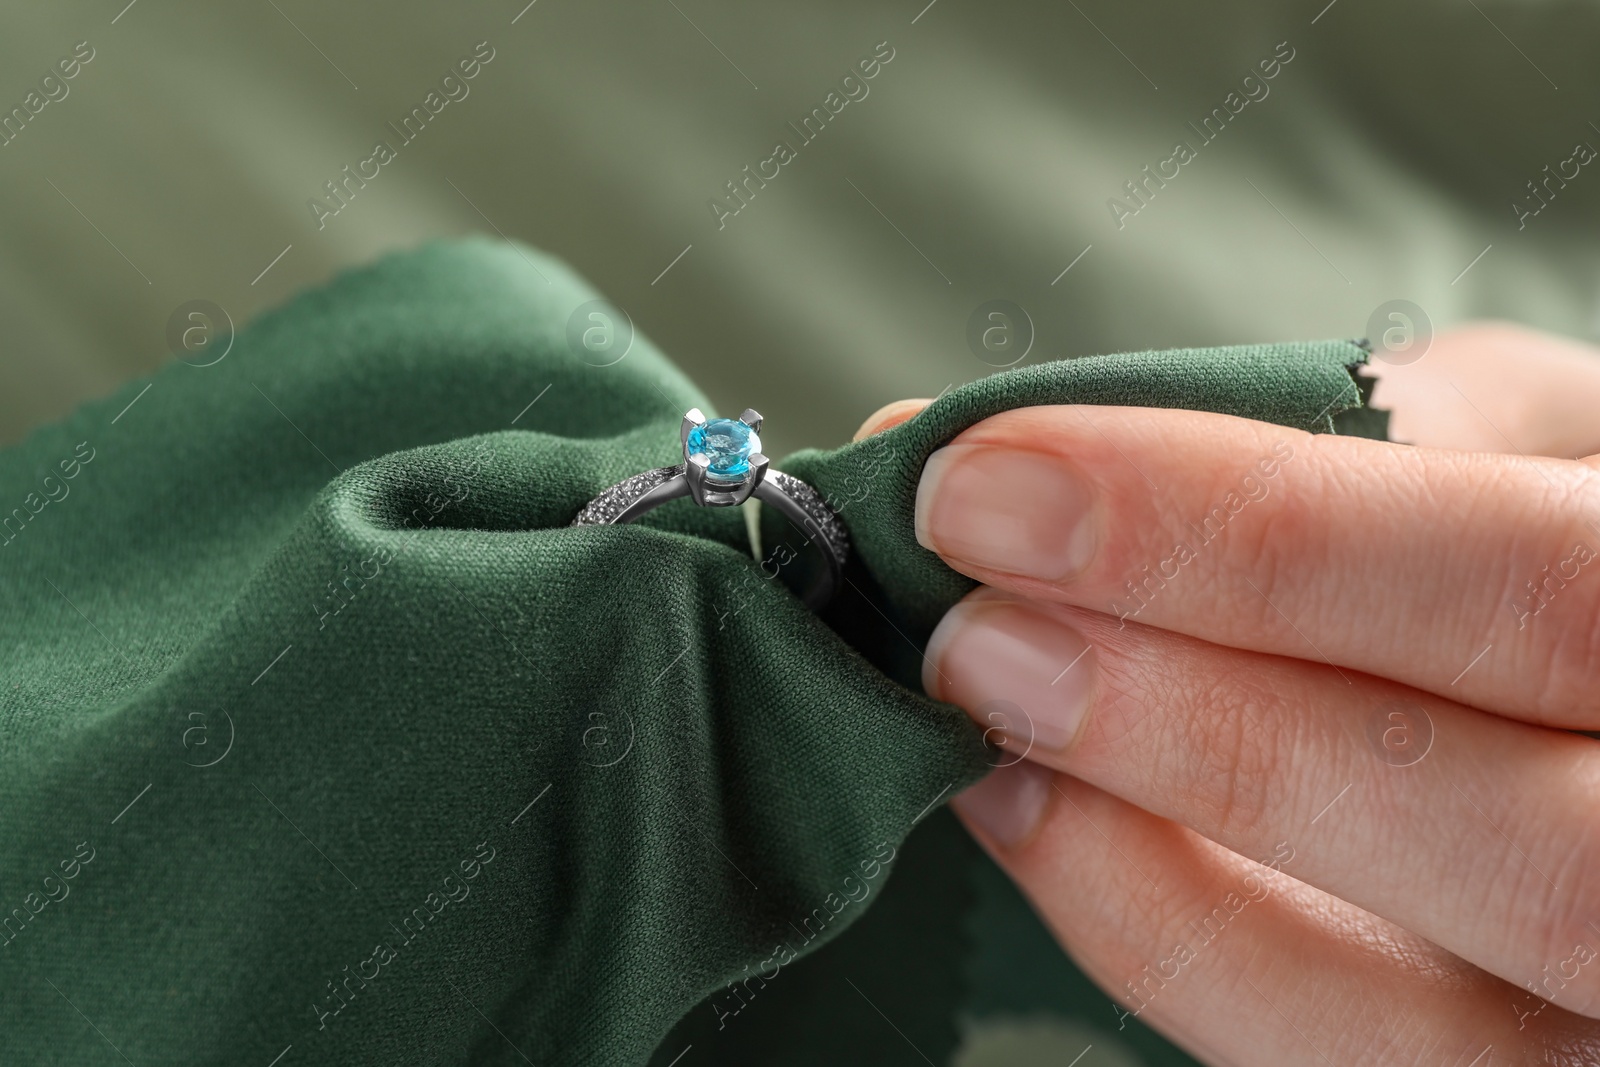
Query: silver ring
{"x": 723, "y": 466}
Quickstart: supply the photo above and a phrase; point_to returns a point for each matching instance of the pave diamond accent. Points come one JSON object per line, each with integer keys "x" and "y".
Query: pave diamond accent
{"x": 604, "y": 509}
{"x": 823, "y": 520}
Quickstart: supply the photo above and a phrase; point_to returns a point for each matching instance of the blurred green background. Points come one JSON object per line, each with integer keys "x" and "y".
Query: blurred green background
{"x": 1385, "y": 158}
{"x": 1383, "y": 163}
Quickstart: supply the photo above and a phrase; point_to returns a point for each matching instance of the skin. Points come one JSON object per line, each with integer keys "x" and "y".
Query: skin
{"x": 1314, "y": 793}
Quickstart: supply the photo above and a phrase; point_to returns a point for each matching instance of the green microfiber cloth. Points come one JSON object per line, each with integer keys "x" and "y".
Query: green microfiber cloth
{"x": 326, "y": 740}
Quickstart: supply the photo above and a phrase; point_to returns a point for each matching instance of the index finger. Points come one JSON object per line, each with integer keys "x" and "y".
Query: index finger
{"x": 1471, "y": 575}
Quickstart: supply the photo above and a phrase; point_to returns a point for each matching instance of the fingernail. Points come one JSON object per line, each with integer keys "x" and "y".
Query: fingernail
{"x": 1006, "y": 509}
{"x": 1008, "y": 805}
{"x": 1017, "y": 669}
{"x": 890, "y": 416}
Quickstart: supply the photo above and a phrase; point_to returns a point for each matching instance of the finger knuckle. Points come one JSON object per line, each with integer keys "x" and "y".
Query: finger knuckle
{"x": 1562, "y": 597}
{"x": 1235, "y": 743}
{"x": 1564, "y": 920}
{"x": 1569, "y": 1045}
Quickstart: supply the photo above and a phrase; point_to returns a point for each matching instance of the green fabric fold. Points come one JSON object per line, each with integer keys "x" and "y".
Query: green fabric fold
{"x": 872, "y": 483}
{"x": 325, "y": 737}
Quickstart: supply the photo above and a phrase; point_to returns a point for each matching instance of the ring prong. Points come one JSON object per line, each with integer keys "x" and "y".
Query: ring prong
{"x": 752, "y": 419}
{"x": 694, "y": 472}
{"x": 753, "y": 478}
{"x": 691, "y": 418}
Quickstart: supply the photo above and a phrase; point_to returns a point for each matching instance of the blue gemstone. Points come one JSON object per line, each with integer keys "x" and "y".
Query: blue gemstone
{"x": 728, "y": 444}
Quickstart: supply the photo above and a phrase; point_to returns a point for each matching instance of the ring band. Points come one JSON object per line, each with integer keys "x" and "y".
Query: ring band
{"x": 723, "y": 466}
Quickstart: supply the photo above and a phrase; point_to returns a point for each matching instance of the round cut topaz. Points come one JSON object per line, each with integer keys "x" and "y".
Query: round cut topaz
{"x": 728, "y": 444}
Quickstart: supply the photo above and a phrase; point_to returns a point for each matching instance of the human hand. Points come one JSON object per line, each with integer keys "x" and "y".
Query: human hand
{"x": 1298, "y": 784}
